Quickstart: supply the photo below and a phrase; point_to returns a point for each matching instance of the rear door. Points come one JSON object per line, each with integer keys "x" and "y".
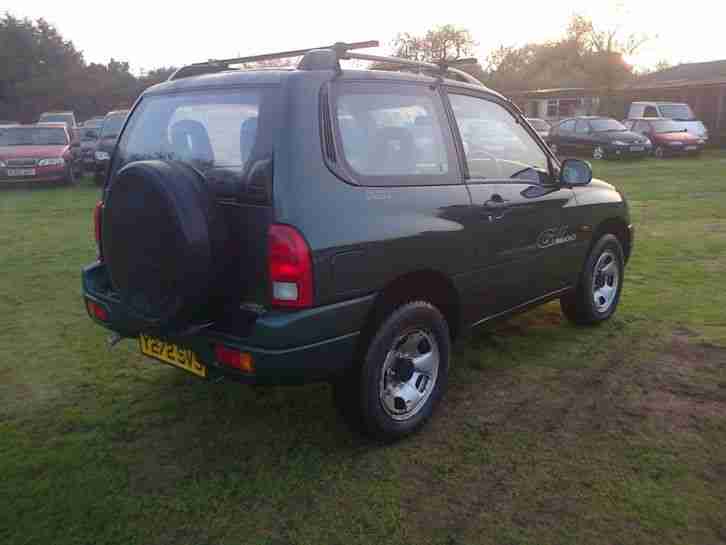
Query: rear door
{"x": 519, "y": 214}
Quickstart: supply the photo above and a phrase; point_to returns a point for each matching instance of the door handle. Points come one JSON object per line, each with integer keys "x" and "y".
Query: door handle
{"x": 496, "y": 202}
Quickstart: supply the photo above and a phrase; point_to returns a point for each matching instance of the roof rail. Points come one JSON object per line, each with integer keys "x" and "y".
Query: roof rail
{"x": 335, "y": 52}
{"x": 441, "y": 67}
{"x": 218, "y": 65}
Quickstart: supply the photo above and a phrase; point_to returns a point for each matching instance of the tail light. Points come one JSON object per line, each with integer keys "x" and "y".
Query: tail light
{"x": 97, "y": 311}
{"x": 97, "y": 217}
{"x": 242, "y": 361}
{"x": 290, "y": 268}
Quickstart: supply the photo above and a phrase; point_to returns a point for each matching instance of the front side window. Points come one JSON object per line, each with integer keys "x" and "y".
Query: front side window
{"x": 496, "y": 145}
{"x": 582, "y": 127}
{"x": 394, "y": 134}
{"x": 215, "y": 132}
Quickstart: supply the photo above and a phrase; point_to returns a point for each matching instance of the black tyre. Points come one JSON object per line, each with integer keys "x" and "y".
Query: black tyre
{"x": 402, "y": 377}
{"x": 598, "y": 289}
{"x": 598, "y": 152}
{"x": 70, "y": 178}
{"x": 659, "y": 152}
{"x": 166, "y": 259}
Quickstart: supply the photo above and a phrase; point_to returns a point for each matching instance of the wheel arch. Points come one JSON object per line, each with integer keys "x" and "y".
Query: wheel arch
{"x": 428, "y": 285}
{"x": 618, "y": 227}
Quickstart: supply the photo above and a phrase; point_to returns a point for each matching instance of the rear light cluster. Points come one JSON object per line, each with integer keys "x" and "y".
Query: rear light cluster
{"x": 96, "y": 310}
{"x": 242, "y": 361}
{"x": 290, "y": 268}
{"x": 97, "y": 216}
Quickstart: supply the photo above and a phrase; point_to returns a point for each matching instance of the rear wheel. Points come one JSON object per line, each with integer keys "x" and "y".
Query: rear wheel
{"x": 402, "y": 377}
{"x": 597, "y": 294}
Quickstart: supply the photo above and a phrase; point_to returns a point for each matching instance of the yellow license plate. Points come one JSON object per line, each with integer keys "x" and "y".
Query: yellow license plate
{"x": 172, "y": 354}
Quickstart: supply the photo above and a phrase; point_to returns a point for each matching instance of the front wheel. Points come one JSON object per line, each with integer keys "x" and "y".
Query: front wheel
{"x": 598, "y": 152}
{"x": 597, "y": 294}
{"x": 402, "y": 377}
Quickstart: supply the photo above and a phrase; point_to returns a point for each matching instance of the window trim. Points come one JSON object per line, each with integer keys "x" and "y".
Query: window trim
{"x": 552, "y": 161}
{"x": 343, "y": 170}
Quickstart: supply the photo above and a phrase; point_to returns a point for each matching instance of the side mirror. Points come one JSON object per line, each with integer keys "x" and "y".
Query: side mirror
{"x": 575, "y": 172}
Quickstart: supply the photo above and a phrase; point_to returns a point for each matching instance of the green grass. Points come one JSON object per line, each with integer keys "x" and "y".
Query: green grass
{"x": 549, "y": 434}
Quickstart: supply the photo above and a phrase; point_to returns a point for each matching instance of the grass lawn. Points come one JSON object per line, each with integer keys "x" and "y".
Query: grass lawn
{"x": 549, "y": 434}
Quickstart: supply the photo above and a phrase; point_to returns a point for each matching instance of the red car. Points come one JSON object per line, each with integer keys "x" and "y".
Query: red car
{"x": 36, "y": 153}
{"x": 668, "y": 136}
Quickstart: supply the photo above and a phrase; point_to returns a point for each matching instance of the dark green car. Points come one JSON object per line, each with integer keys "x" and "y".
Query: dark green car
{"x": 320, "y": 224}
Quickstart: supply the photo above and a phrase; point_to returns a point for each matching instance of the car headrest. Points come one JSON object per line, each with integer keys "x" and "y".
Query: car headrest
{"x": 190, "y": 141}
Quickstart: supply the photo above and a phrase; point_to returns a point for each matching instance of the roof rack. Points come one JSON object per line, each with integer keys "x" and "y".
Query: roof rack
{"x": 327, "y": 57}
{"x": 218, "y": 65}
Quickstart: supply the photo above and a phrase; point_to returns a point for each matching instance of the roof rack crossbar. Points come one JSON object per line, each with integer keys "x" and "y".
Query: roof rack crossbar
{"x": 442, "y": 67}
{"x": 215, "y": 65}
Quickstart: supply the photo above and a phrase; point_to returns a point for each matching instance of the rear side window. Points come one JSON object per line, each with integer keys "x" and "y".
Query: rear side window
{"x": 218, "y": 133}
{"x": 394, "y": 134}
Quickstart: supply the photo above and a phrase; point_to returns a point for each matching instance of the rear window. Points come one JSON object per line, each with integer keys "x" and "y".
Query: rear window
{"x": 217, "y": 133}
{"x": 394, "y": 134}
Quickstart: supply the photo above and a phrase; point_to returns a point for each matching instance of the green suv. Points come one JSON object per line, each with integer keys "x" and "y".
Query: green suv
{"x": 320, "y": 224}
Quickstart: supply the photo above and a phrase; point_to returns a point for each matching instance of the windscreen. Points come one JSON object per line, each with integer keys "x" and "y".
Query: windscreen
{"x": 57, "y": 118}
{"x": 33, "y": 136}
{"x": 216, "y": 132}
{"x": 539, "y": 124}
{"x": 676, "y": 111}
{"x": 112, "y": 126}
{"x": 606, "y": 125}
{"x": 89, "y": 135}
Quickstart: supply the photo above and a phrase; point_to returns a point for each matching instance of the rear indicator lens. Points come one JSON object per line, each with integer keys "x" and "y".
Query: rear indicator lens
{"x": 97, "y": 311}
{"x": 97, "y": 216}
{"x": 242, "y": 361}
{"x": 290, "y": 268}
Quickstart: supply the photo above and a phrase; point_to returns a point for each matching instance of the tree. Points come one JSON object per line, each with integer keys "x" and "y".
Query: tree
{"x": 445, "y": 42}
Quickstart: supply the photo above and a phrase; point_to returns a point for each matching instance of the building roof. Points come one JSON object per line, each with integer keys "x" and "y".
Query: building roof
{"x": 694, "y": 71}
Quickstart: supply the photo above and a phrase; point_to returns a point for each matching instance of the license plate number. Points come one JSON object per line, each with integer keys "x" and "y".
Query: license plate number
{"x": 170, "y": 353}
{"x": 637, "y": 148}
{"x": 21, "y": 172}
{"x": 691, "y": 148}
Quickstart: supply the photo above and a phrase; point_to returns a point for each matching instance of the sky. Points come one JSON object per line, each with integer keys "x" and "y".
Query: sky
{"x": 149, "y": 34}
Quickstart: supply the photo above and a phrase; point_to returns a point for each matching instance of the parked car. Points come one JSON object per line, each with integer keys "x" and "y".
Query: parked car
{"x": 679, "y": 111}
{"x": 69, "y": 118}
{"x": 285, "y": 226}
{"x": 541, "y": 126}
{"x": 668, "y": 137}
{"x": 94, "y": 122}
{"x": 112, "y": 123}
{"x": 8, "y": 122}
{"x": 36, "y": 153}
{"x": 89, "y": 140}
{"x": 599, "y": 137}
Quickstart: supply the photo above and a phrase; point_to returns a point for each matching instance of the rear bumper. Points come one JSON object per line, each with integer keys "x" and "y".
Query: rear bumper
{"x": 286, "y": 347}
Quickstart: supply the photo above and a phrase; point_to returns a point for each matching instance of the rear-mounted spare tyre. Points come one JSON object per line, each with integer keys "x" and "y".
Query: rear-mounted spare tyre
{"x": 163, "y": 242}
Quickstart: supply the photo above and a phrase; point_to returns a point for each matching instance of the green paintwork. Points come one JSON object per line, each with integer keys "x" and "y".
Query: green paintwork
{"x": 363, "y": 239}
